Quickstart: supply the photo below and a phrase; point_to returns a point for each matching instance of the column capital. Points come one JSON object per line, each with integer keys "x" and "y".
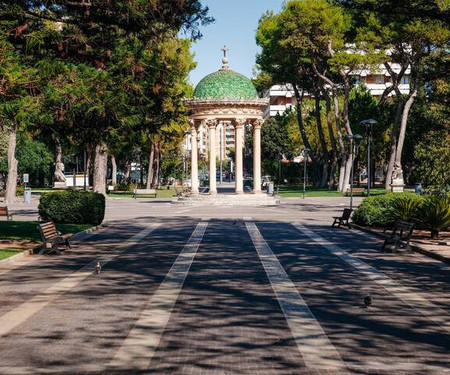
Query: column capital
{"x": 239, "y": 122}
{"x": 211, "y": 123}
{"x": 258, "y": 123}
{"x": 194, "y": 124}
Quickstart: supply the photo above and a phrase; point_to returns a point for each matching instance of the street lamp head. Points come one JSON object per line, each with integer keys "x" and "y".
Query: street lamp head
{"x": 369, "y": 122}
{"x": 356, "y": 137}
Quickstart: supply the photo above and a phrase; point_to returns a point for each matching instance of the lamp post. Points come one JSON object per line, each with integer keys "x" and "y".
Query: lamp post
{"x": 355, "y": 139}
{"x": 368, "y": 125}
{"x": 305, "y": 153}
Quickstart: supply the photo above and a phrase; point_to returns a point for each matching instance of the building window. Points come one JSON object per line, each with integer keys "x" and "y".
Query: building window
{"x": 404, "y": 80}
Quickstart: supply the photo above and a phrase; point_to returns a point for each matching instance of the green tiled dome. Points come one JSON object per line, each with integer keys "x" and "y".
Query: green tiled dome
{"x": 225, "y": 84}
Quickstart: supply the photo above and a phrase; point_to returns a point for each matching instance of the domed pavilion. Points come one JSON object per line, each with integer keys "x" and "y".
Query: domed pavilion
{"x": 226, "y": 96}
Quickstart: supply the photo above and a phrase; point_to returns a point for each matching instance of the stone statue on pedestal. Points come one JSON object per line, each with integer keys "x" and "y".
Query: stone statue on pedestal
{"x": 60, "y": 179}
{"x": 59, "y": 172}
{"x": 397, "y": 184}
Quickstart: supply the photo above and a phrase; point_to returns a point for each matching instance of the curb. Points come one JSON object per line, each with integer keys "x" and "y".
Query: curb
{"x": 18, "y": 256}
{"x": 86, "y": 231}
{"x": 414, "y": 248}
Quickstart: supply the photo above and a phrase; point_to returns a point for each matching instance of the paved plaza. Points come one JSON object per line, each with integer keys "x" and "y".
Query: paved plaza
{"x": 224, "y": 290}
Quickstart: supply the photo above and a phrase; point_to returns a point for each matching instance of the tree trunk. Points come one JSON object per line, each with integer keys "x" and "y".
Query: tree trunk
{"x": 393, "y": 147}
{"x": 342, "y": 153}
{"x": 127, "y": 171}
{"x": 404, "y": 123}
{"x": 323, "y": 143}
{"x": 158, "y": 167}
{"x": 114, "y": 170}
{"x": 345, "y": 115}
{"x": 100, "y": 169}
{"x": 332, "y": 139}
{"x": 151, "y": 164}
{"x": 434, "y": 233}
{"x": 299, "y": 98}
{"x": 11, "y": 181}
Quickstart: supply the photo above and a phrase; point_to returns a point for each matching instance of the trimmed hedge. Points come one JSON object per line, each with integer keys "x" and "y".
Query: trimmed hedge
{"x": 72, "y": 207}
{"x": 385, "y": 210}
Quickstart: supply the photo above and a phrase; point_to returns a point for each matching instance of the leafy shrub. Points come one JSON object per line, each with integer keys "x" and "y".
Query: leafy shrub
{"x": 434, "y": 214}
{"x": 20, "y": 190}
{"x": 72, "y": 207}
{"x": 405, "y": 208}
{"x": 385, "y": 210}
{"x": 125, "y": 186}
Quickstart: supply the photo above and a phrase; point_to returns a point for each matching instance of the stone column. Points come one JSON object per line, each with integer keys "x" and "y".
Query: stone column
{"x": 257, "y": 156}
{"x": 212, "y": 156}
{"x": 239, "y": 140}
{"x": 194, "y": 159}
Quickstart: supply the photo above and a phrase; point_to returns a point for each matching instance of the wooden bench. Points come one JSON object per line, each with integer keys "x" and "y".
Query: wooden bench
{"x": 399, "y": 237}
{"x": 144, "y": 192}
{"x": 360, "y": 191}
{"x": 52, "y": 238}
{"x": 4, "y": 212}
{"x": 343, "y": 219}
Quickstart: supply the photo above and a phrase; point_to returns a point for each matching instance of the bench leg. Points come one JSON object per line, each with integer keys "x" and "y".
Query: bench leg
{"x": 68, "y": 244}
{"x": 334, "y": 223}
{"x": 56, "y": 249}
{"x": 43, "y": 250}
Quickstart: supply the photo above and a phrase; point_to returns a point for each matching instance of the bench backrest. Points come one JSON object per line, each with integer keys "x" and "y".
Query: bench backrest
{"x": 347, "y": 213}
{"x": 3, "y": 211}
{"x": 48, "y": 230}
{"x": 146, "y": 191}
{"x": 403, "y": 229}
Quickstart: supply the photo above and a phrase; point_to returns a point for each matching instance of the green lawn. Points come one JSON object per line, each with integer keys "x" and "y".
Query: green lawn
{"x": 6, "y": 253}
{"x": 297, "y": 191}
{"x": 27, "y": 230}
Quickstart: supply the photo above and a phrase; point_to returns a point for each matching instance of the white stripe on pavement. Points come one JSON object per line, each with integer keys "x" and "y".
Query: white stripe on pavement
{"x": 21, "y": 313}
{"x": 414, "y": 300}
{"x": 316, "y": 349}
{"x": 137, "y": 351}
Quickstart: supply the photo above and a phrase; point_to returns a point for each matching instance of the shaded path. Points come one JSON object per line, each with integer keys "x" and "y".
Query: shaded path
{"x": 226, "y": 319}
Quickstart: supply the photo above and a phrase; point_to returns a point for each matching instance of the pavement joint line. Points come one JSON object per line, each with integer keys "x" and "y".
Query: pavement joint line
{"x": 312, "y": 342}
{"x": 139, "y": 347}
{"x": 414, "y": 300}
{"x": 24, "y": 311}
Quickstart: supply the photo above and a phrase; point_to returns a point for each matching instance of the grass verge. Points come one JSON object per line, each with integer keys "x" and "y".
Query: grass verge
{"x": 27, "y": 230}
{"x": 291, "y": 191}
{"x": 6, "y": 253}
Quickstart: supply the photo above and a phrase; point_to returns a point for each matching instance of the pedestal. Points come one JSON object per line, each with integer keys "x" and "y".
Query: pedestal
{"x": 398, "y": 185}
{"x": 59, "y": 185}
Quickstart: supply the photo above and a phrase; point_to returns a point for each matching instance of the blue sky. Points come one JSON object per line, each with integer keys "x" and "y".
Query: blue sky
{"x": 235, "y": 26}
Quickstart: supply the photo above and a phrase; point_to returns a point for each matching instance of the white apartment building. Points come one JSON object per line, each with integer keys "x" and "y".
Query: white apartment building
{"x": 282, "y": 97}
{"x": 224, "y": 140}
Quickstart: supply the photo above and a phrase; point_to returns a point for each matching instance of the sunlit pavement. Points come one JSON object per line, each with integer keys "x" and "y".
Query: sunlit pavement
{"x": 225, "y": 290}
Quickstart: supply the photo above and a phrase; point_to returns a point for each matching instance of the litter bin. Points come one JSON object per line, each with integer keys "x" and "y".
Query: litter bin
{"x": 270, "y": 188}
{"x": 27, "y": 195}
{"x": 418, "y": 188}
